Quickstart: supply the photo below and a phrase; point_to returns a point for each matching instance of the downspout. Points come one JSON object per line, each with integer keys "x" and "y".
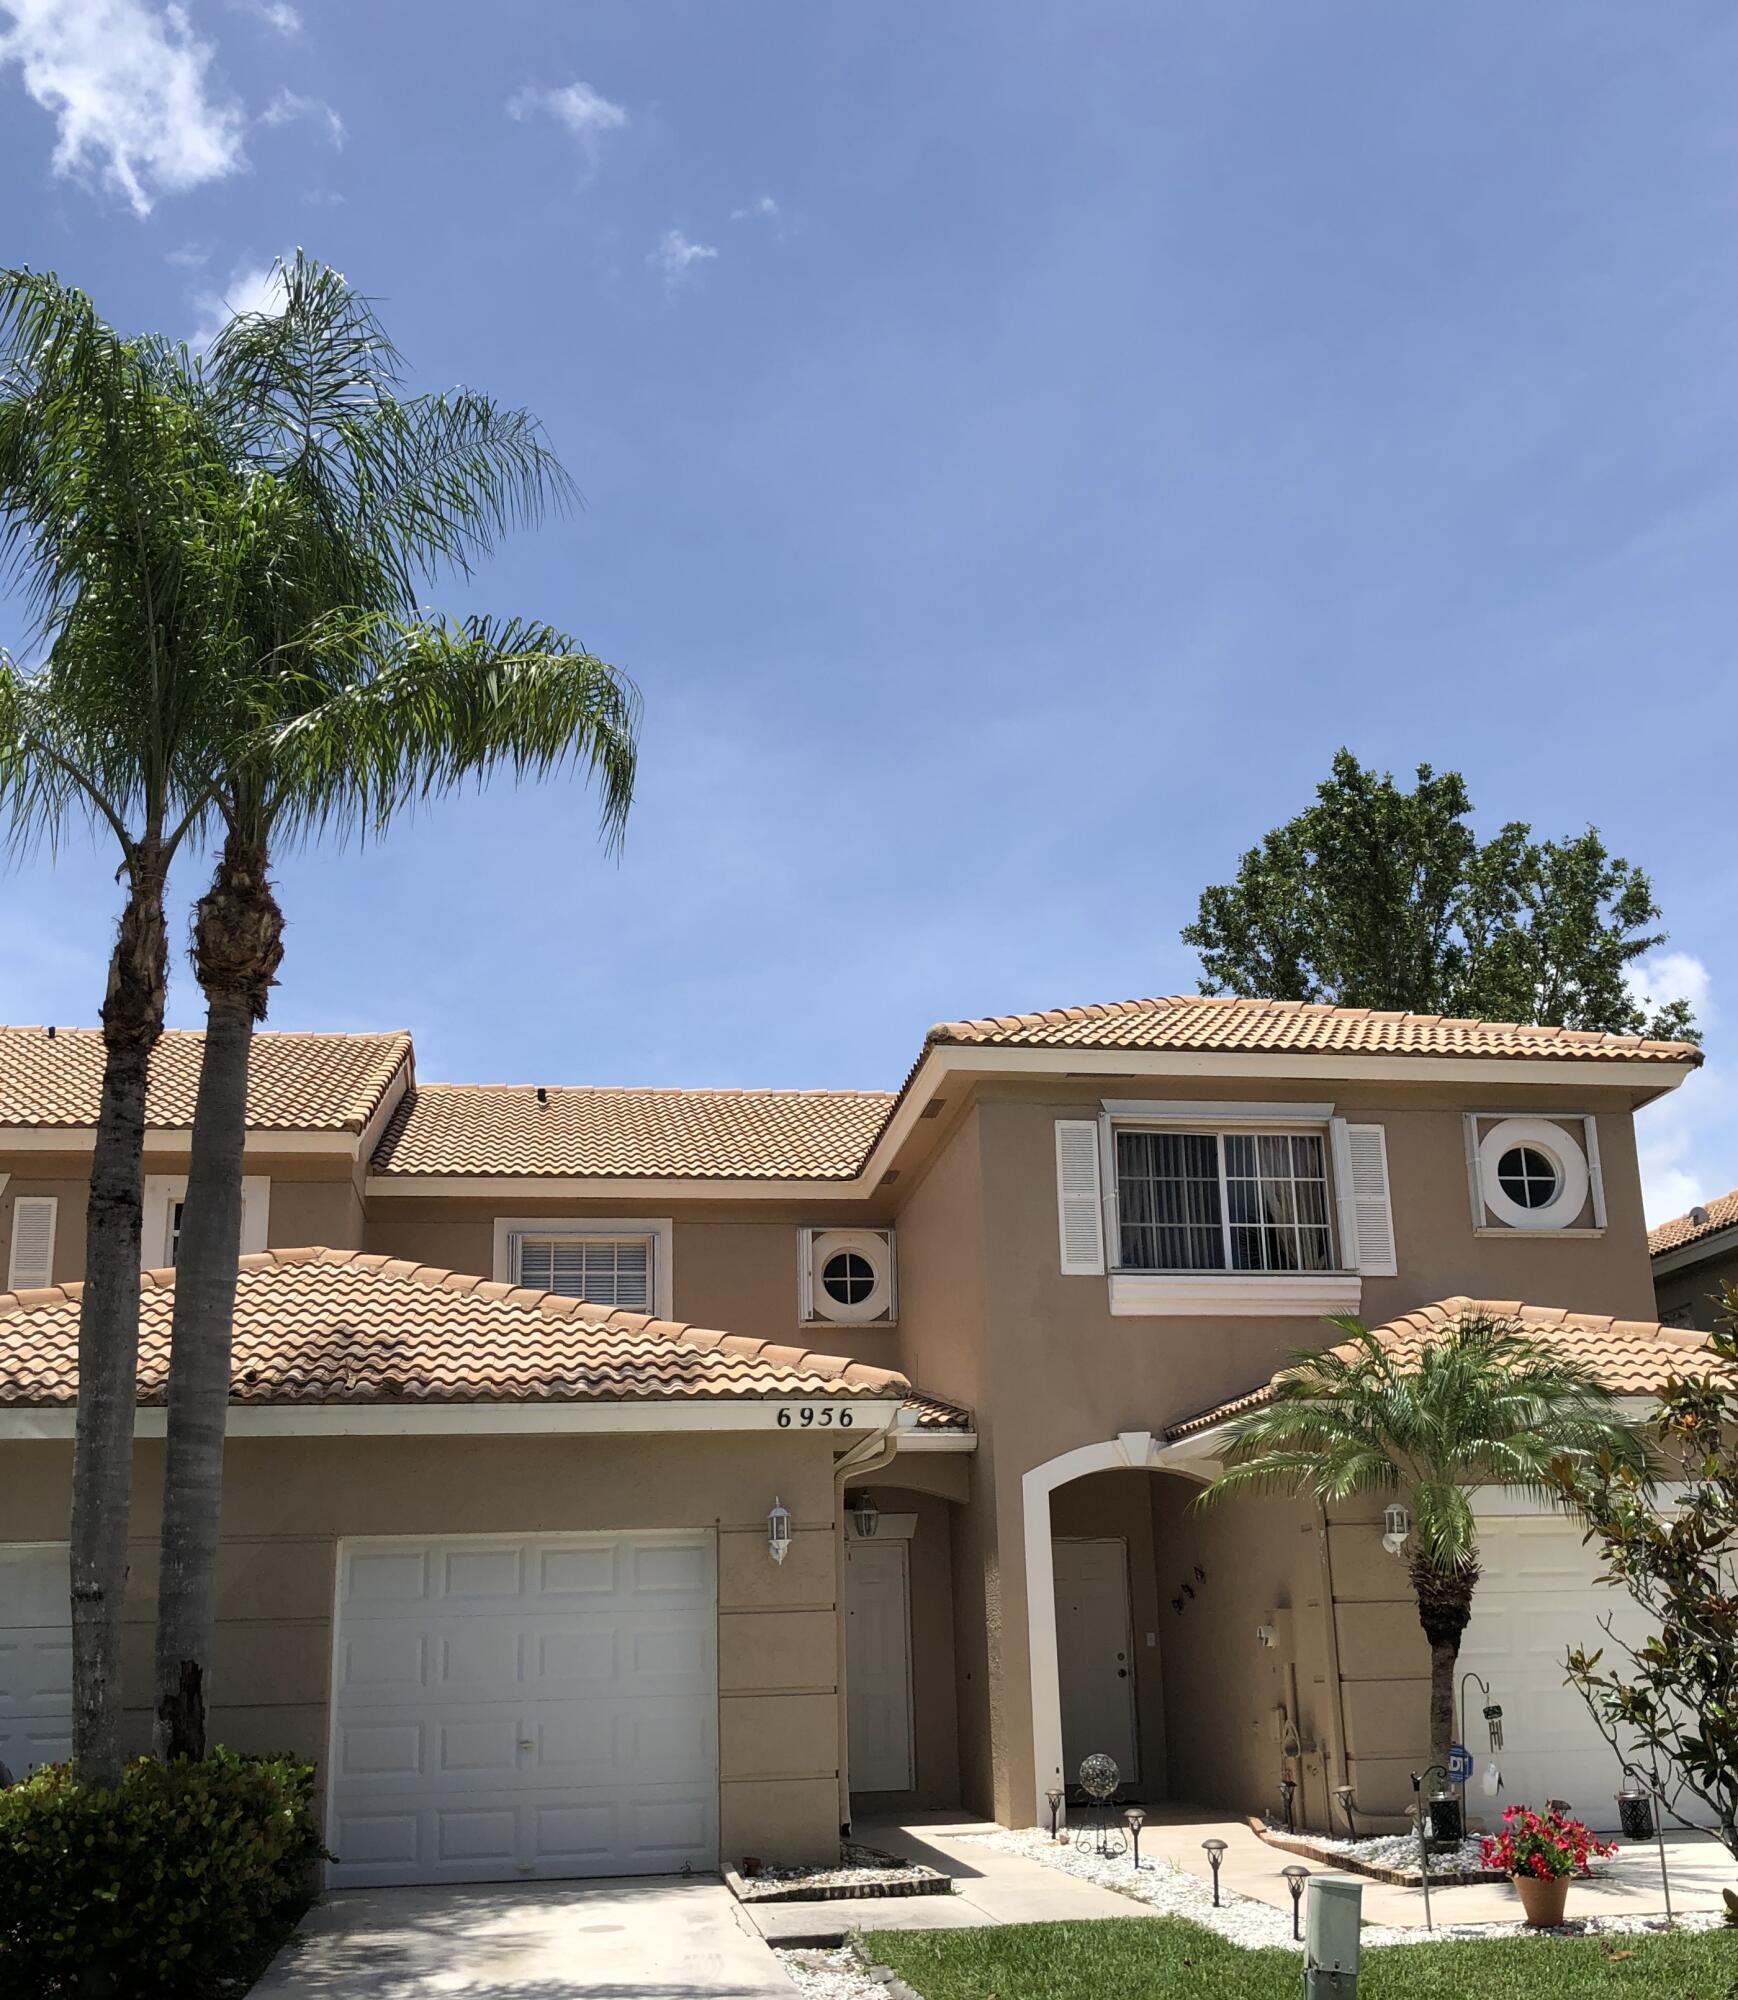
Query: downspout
{"x": 874, "y": 1452}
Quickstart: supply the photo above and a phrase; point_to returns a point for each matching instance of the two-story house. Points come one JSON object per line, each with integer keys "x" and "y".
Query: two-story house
{"x": 620, "y": 1477}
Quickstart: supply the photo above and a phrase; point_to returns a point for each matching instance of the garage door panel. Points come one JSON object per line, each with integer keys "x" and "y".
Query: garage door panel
{"x": 541, "y": 1707}
{"x": 35, "y": 1656}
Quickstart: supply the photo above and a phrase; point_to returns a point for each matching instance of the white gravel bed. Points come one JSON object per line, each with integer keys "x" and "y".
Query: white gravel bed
{"x": 1399, "y": 1851}
{"x": 831, "y": 1975}
{"x": 862, "y": 1866}
{"x": 1173, "y": 1892}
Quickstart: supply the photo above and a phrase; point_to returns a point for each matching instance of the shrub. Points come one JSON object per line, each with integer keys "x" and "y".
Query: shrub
{"x": 169, "y": 1884}
{"x": 1548, "y": 1845}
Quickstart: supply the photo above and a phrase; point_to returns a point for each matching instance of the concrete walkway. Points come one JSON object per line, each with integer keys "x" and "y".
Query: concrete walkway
{"x": 647, "y": 1938}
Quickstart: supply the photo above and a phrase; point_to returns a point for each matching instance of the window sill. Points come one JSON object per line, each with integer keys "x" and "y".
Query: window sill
{"x": 1537, "y": 1235}
{"x": 1234, "y": 1295}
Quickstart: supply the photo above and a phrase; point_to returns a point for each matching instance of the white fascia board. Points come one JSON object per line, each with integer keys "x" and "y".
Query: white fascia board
{"x": 935, "y": 1441}
{"x": 964, "y": 1059}
{"x": 390, "y": 1098}
{"x": 498, "y": 1419}
{"x": 1718, "y": 1243}
{"x": 175, "y": 1139}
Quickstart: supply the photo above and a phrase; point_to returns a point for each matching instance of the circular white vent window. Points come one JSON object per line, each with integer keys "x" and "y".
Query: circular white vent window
{"x": 851, "y": 1275}
{"x": 1533, "y": 1174}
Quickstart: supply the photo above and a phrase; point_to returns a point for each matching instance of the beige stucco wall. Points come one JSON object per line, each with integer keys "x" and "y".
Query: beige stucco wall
{"x": 1699, "y": 1287}
{"x": 68, "y": 1181}
{"x": 287, "y": 1501}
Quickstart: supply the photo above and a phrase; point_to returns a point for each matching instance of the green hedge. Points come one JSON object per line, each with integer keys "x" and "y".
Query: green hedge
{"x": 171, "y": 1884}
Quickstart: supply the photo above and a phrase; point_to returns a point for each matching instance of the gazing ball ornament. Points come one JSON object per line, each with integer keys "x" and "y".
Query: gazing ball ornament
{"x": 1099, "y": 1777}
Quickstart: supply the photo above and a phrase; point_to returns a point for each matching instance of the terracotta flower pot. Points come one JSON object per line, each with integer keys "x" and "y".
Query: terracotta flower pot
{"x": 1543, "y": 1901}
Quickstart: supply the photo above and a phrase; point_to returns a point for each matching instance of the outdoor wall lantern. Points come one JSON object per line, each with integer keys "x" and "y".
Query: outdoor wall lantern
{"x": 778, "y": 1531}
{"x": 865, "y": 1516}
{"x": 1396, "y": 1526}
{"x": 1134, "y": 1819}
{"x": 1215, "y": 1852}
{"x": 1295, "y": 1878}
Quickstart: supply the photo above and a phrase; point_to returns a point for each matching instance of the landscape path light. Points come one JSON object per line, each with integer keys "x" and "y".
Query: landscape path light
{"x": 1134, "y": 1819}
{"x": 1295, "y": 1878}
{"x": 1054, "y": 1799}
{"x": 1215, "y": 1851}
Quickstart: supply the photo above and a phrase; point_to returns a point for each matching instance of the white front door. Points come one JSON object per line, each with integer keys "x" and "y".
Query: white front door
{"x": 512, "y": 1707}
{"x": 878, "y": 1665}
{"x": 1094, "y": 1656}
{"x": 35, "y": 1656}
{"x": 1538, "y": 1595}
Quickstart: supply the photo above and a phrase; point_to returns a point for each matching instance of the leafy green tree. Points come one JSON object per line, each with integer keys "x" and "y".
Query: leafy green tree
{"x": 1481, "y": 1404}
{"x": 1375, "y": 896}
{"x": 1668, "y": 1705}
{"x": 343, "y": 703}
{"x": 106, "y": 472}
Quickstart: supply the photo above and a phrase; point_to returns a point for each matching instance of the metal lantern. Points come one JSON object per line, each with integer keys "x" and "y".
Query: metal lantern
{"x": 1295, "y": 1878}
{"x": 1444, "y": 1818}
{"x": 1396, "y": 1526}
{"x": 1635, "y": 1815}
{"x": 1215, "y": 1852}
{"x": 778, "y": 1531}
{"x": 865, "y": 1516}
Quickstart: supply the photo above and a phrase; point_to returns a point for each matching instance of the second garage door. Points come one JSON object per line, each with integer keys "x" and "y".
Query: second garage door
{"x": 530, "y": 1707}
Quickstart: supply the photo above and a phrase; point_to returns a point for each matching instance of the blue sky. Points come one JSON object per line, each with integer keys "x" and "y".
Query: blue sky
{"x": 1020, "y": 443}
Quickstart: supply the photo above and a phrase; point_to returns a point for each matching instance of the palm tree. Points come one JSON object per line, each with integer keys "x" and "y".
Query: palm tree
{"x": 1479, "y": 1404}
{"x": 106, "y": 469}
{"x": 346, "y": 702}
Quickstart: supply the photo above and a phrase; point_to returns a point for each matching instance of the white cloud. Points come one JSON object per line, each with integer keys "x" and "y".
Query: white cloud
{"x": 586, "y": 113}
{"x": 128, "y": 85}
{"x": 288, "y": 106}
{"x": 765, "y": 209}
{"x": 251, "y": 288}
{"x": 675, "y": 256}
{"x": 277, "y": 14}
{"x": 1672, "y": 975}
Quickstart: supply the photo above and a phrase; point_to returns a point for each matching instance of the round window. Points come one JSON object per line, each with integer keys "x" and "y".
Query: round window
{"x": 1528, "y": 1177}
{"x": 848, "y": 1277}
{"x": 1533, "y": 1175}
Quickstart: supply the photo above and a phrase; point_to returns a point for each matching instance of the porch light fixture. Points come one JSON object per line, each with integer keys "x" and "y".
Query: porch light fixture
{"x": 778, "y": 1531}
{"x": 1297, "y": 1877}
{"x": 864, "y": 1515}
{"x": 1396, "y": 1526}
{"x": 1134, "y": 1819}
{"x": 1215, "y": 1852}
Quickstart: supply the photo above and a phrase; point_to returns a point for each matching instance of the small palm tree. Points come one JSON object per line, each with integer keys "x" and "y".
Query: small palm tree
{"x": 344, "y": 702}
{"x": 1478, "y": 1404}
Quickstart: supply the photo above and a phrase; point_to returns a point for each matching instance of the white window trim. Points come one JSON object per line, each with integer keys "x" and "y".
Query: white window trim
{"x": 163, "y": 1191}
{"x": 1232, "y": 1293}
{"x": 1490, "y": 1132}
{"x": 658, "y": 1230}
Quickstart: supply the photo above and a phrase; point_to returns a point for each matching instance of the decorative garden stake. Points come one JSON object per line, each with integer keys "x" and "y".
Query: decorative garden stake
{"x": 1660, "y": 1836}
{"x": 1215, "y": 1850}
{"x": 1295, "y": 1878}
{"x": 1418, "y": 1778}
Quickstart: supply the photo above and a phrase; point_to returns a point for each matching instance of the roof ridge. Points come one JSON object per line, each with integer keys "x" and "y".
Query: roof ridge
{"x": 661, "y": 1089}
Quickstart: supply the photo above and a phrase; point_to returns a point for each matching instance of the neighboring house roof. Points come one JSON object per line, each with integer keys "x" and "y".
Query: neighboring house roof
{"x": 1190, "y": 1022}
{"x": 511, "y": 1130}
{"x": 52, "y": 1077}
{"x": 1628, "y": 1357}
{"x": 1707, "y": 1219}
{"x": 932, "y": 1414}
{"x": 337, "y": 1326}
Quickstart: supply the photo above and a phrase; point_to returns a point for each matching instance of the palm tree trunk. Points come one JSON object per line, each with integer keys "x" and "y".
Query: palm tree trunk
{"x": 1444, "y": 1610}
{"x": 236, "y": 951}
{"x": 108, "y": 1333}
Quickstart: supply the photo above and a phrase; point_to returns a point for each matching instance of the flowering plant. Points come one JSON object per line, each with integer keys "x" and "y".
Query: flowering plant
{"x": 1548, "y": 1845}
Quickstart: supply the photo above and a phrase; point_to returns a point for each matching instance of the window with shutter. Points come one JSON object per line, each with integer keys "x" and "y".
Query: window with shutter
{"x": 1372, "y": 1210}
{"x": 32, "y": 1261}
{"x": 1079, "y": 1208}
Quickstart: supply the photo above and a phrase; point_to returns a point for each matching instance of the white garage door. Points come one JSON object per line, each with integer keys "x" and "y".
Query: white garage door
{"x": 525, "y": 1707}
{"x": 35, "y": 1656}
{"x": 1540, "y": 1595}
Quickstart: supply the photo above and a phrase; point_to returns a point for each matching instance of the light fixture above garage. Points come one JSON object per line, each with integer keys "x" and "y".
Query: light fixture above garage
{"x": 778, "y": 1531}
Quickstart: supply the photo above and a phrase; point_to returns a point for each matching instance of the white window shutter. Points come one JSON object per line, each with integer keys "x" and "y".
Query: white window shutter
{"x": 33, "y": 1218}
{"x": 1080, "y": 1212}
{"x": 1372, "y": 1211}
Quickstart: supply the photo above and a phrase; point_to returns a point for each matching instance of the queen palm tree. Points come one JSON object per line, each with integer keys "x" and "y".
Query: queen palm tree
{"x": 1480, "y": 1403}
{"x": 106, "y": 473}
{"x": 345, "y": 702}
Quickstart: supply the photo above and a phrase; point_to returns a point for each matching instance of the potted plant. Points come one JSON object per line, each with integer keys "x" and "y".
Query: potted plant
{"x": 1539, "y": 1852}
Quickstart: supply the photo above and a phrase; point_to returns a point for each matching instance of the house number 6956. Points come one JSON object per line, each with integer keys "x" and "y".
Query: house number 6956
{"x": 806, "y": 1417}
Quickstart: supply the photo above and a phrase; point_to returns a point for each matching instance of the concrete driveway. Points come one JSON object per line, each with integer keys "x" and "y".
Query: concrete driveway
{"x": 645, "y": 1938}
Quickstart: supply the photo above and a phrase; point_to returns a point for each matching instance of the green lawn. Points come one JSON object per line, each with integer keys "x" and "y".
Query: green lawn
{"x": 1161, "y": 1958}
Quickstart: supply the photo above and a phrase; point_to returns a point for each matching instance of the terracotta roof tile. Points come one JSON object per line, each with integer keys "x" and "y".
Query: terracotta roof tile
{"x": 1706, "y": 1219}
{"x": 1628, "y": 1357}
{"x": 503, "y": 1129}
{"x": 1187, "y": 1022}
{"x": 332, "y": 1326}
{"x": 296, "y": 1083}
{"x": 930, "y": 1413}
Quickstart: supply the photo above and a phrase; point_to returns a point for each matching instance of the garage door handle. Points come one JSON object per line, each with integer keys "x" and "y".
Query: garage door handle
{"x": 528, "y": 1744}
